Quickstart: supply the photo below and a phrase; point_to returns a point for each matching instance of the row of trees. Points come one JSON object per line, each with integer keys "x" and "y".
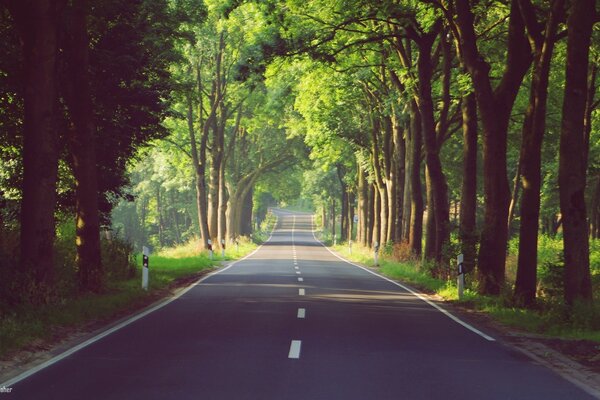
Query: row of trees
{"x": 83, "y": 85}
{"x": 397, "y": 96}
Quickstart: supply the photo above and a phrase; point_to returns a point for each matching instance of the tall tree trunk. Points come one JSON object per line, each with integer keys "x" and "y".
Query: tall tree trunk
{"x": 416, "y": 201}
{"x": 531, "y": 157}
{"x": 468, "y": 197}
{"x": 246, "y": 213}
{"x": 399, "y": 176}
{"x": 83, "y": 154}
{"x": 372, "y": 226}
{"x": 222, "y": 222}
{"x": 350, "y": 223}
{"x": 333, "y": 218}
{"x": 429, "y": 253}
{"x": 514, "y": 198}
{"x": 572, "y": 170}
{"x": 406, "y": 200}
{"x": 217, "y": 149}
{"x": 199, "y": 163}
{"x": 159, "y": 218}
{"x": 363, "y": 208}
{"x": 37, "y": 25}
{"x": 495, "y": 107}
{"x": 439, "y": 187}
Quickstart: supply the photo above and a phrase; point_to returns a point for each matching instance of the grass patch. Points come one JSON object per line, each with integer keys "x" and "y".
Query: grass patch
{"x": 26, "y": 325}
{"x": 550, "y": 318}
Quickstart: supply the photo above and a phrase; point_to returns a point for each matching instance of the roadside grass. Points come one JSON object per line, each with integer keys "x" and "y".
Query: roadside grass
{"x": 31, "y": 327}
{"x": 550, "y": 317}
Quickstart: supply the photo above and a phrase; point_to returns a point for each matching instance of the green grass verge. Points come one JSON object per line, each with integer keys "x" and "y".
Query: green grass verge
{"x": 551, "y": 319}
{"x": 27, "y": 325}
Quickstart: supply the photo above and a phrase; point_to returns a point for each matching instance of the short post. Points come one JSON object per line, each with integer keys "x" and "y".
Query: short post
{"x": 376, "y": 253}
{"x": 223, "y": 248}
{"x": 210, "y": 249}
{"x": 461, "y": 276}
{"x": 145, "y": 266}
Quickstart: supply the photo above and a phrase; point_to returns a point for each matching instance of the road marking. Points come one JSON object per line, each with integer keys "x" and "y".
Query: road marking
{"x": 301, "y": 312}
{"x": 296, "y": 267}
{"x": 128, "y": 321}
{"x": 301, "y": 292}
{"x": 295, "y": 349}
{"x": 298, "y": 272}
{"x": 300, "y": 279}
{"x": 413, "y": 292}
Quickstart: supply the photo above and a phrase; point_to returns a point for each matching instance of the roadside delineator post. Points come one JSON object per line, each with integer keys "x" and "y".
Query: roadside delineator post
{"x": 145, "y": 267}
{"x": 210, "y": 249}
{"x": 376, "y": 253}
{"x": 461, "y": 275}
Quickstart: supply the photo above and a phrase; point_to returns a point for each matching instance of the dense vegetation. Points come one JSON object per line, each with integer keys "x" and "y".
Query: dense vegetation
{"x": 431, "y": 127}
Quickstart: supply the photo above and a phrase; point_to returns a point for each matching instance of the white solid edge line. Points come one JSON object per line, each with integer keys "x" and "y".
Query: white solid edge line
{"x": 295, "y": 349}
{"x": 123, "y": 324}
{"x": 417, "y": 294}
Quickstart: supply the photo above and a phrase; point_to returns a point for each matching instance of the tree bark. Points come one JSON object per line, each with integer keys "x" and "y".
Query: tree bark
{"x": 468, "y": 198}
{"x": 531, "y": 156}
{"x": 363, "y": 208}
{"x": 199, "y": 164}
{"x": 572, "y": 170}
{"x": 83, "y": 154}
{"x": 495, "y": 107}
{"x": 399, "y": 176}
{"x": 37, "y": 25}
{"x": 416, "y": 201}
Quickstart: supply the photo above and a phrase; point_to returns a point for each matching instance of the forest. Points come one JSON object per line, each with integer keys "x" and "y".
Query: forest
{"x": 427, "y": 128}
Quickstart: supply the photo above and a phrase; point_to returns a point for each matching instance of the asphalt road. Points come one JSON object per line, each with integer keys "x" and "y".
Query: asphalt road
{"x": 293, "y": 321}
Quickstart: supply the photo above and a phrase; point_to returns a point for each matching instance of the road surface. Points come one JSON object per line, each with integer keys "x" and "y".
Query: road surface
{"x": 293, "y": 321}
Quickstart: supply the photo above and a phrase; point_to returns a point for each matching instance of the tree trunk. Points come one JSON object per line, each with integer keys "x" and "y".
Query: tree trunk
{"x": 439, "y": 187}
{"x": 495, "y": 107}
{"x": 406, "y": 200}
{"x": 429, "y": 253}
{"x": 83, "y": 154}
{"x": 37, "y": 25}
{"x": 468, "y": 197}
{"x": 246, "y": 214}
{"x": 372, "y": 226}
{"x": 530, "y": 162}
{"x": 363, "y": 208}
{"x": 399, "y": 175}
{"x": 199, "y": 163}
{"x": 514, "y": 198}
{"x": 572, "y": 170}
{"x": 416, "y": 201}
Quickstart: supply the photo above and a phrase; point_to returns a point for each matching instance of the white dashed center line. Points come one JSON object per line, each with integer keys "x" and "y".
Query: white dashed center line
{"x": 295, "y": 349}
{"x": 300, "y": 279}
{"x": 301, "y": 292}
{"x": 301, "y": 312}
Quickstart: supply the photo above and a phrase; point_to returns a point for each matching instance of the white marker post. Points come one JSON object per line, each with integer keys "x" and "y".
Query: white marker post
{"x": 223, "y": 248}
{"x": 376, "y": 253}
{"x": 461, "y": 276}
{"x": 145, "y": 266}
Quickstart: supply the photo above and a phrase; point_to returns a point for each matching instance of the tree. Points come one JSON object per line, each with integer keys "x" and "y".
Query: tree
{"x": 572, "y": 164}
{"x": 40, "y": 141}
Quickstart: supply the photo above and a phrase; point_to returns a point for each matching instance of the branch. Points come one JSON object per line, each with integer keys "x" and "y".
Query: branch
{"x": 180, "y": 147}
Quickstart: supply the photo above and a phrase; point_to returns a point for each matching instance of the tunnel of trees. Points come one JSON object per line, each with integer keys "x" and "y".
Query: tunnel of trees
{"x": 434, "y": 127}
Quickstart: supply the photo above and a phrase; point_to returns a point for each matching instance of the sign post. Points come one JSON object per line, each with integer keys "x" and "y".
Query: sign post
{"x": 145, "y": 266}
{"x": 461, "y": 275}
{"x": 376, "y": 255}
